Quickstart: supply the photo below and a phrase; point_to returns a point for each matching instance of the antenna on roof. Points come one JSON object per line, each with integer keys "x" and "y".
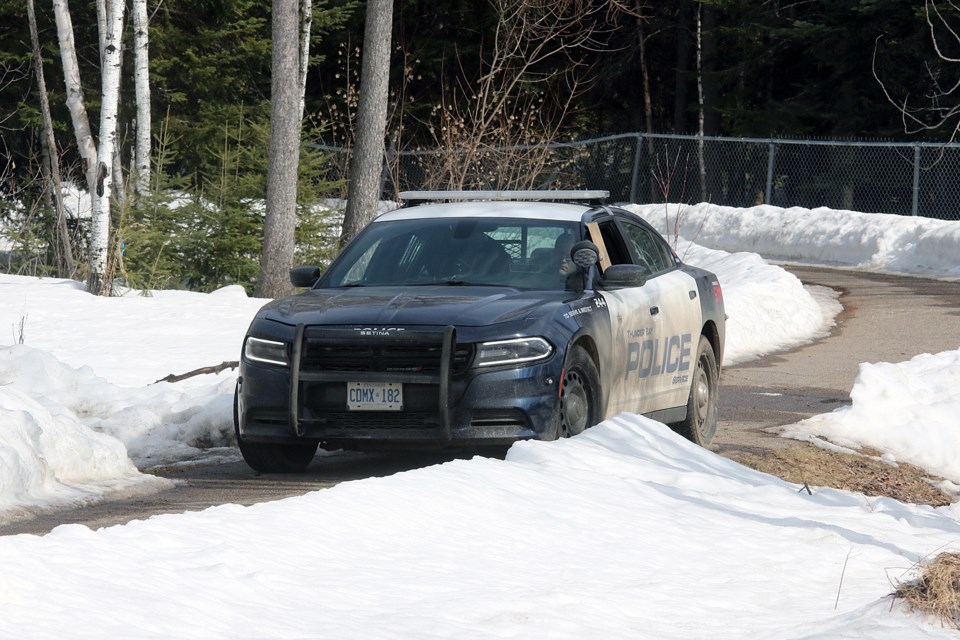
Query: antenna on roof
{"x": 586, "y": 196}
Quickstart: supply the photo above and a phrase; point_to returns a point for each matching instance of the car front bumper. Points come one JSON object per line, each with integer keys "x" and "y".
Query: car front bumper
{"x": 450, "y": 404}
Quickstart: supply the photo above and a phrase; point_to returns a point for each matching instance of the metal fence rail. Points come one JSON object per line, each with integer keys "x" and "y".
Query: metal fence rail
{"x": 919, "y": 179}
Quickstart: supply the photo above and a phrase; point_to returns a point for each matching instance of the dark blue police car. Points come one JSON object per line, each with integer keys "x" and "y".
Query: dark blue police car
{"x": 481, "y": 319}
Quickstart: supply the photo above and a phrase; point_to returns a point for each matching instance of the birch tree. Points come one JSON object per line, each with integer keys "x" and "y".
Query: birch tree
{"x": 103, "y": 24}
{"x": 306, "y": 22}
{"x": 284, "y": 154}
{"x": 366, "y": 166}
{"x": 103, "y": 27}
{"x": 75, "y": 104}
{"x": 110, "y": 97}
{"x": 141, "y": 49}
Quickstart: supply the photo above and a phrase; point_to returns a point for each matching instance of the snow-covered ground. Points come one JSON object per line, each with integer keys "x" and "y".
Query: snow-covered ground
{"x": 625, "y": 531}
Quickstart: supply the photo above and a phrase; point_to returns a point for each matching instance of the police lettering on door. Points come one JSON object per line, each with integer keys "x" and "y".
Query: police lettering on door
{"x": 651, "y": 357}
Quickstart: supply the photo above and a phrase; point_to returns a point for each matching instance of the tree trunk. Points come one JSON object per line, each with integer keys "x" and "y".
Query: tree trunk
{"x": 50, "y": 147}
{"x": 284, "y": 153}
{"x": 366, "y": 165}
{"x": 711, "y": 89}
{"x": 644, "y": 71}
{"x": 119, "y": 188}
{"x": 647, "y": 98}
{"x": 700, "y": 107}
{"x": 306, "y": 23}
{"x": 110, "y": 95}
{"x": 142, "y": 82}
{"x": 681, "y": 75}
{"x": 78, "y": 111}
{"x": 711, "y": 97}
{"x": 102, "y": 24}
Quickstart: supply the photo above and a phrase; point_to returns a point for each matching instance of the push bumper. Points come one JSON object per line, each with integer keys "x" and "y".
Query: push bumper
{"x": 446, "y": 402}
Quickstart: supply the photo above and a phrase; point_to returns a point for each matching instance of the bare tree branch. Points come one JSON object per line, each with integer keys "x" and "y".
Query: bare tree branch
{"x": 933, "y": 34}
{"x": 8, "y": 76}
{"x": 531, "y": 74}
{"x": 228, "y": 364}
{"x": 934, "y": 114}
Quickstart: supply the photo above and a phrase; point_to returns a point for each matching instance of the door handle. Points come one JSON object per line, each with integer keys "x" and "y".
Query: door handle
{"x": 693, "y": 295}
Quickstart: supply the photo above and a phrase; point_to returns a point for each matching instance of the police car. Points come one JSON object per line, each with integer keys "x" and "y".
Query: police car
{"x": 481, "y": 318}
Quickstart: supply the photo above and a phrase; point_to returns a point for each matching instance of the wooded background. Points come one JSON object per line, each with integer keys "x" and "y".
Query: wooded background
{"x": 847, "y": 69}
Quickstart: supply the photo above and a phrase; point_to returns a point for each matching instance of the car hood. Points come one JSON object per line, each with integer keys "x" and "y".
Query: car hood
{"x": 432, "y": 305}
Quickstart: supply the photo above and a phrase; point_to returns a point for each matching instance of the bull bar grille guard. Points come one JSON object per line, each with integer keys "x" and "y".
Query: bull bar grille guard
{"x": 446, "y": 339}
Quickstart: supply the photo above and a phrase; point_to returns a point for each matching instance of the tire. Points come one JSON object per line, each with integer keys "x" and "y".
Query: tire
{"x": 700, "y": 424}
{"x": 268, "y": 457}
{"x": 579, "y": 394}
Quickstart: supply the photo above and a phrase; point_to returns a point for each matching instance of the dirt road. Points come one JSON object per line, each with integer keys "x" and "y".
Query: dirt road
{"x": 885, "y": 318}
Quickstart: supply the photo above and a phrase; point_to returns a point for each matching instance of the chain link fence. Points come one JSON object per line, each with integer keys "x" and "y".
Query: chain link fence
{"x": 921, "y": 179}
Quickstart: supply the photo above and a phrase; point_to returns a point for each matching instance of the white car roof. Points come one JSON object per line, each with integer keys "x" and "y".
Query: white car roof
{"x": 562, "y": 212}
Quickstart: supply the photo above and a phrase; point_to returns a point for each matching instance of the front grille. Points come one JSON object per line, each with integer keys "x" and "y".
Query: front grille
{"x": 493, "y": 419}
{"x": 330, "y": 357}
{"x": 334, "y": 421}
{"x": 380, "y": 358}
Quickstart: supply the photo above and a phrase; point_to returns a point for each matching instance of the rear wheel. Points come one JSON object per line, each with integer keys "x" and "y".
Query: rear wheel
{"x": 579, "y": 394}
{"x": 268, "y": 457}
{"x": 700, "y": 424}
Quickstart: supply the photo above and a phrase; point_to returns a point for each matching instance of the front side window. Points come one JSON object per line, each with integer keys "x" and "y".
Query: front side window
{"x": 649, "y": 250}
{"x": 510, "y": 252}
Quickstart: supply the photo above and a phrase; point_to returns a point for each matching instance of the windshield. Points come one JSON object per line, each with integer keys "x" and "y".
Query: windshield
{"x": 519, "y": 253}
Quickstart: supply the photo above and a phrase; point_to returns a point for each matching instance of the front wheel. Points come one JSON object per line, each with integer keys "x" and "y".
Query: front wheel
{"x": 579, "y": 394}
{"x": 269, "y": 457}
{"x": 700, "y": 424}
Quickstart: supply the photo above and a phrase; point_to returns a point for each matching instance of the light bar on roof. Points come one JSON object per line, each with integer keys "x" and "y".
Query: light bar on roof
{"x": 505, "y": 195}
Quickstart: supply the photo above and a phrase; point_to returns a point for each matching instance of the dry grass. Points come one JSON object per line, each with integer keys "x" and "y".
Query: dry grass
{"x": 936, "y": 590}
{"x": 815, "y": 467}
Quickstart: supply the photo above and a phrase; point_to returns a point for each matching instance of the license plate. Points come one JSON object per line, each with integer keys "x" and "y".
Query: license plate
{"x": 375, "y": 396}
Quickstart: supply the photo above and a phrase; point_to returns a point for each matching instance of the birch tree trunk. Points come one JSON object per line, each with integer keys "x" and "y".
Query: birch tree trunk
{"x": 78, "y": 111}
{"x": 118, "y": 189}
{"x": 366, "y": 165}
{"x": 110, "y": 96}
{"x": 142, "y": 83}
{"x": 102, "y": 25}
{"x": 284, "y": 153}
{"x": 306, "y": 23}
{"x": 50, "y": 145}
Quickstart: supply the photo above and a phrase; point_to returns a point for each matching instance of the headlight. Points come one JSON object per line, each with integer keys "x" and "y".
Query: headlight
{"x": 269, "y": 351}
{"x": 513, "y": 351}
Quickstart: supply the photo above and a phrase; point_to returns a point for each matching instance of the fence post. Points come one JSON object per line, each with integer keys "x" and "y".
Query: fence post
{"x": 916, "y": 181}
{"x": 636, "y": 169}
{"x": 771, "y": 157}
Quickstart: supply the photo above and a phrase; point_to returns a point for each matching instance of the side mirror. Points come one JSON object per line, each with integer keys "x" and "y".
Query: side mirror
{"x": 585, "y": 254}
{"x": 304, "y": 277}
{"x": 620, "y": 276}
